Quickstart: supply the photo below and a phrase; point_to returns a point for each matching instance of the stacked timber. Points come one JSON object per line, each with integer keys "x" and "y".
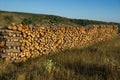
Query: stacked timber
{"x": 10, "y": 37}
{"x": 20, "y": 42}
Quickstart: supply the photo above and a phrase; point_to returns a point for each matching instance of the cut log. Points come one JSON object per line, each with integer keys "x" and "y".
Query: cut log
{"x": 14, "y": 28}
{"x": 12, "y": 50}
{"x": 13, "y": 43}
{"x": 2, "y": 44}
{"x": 3, "y": 55}
{"x": 19, "y": 28}
{"x": 10, "y": 31}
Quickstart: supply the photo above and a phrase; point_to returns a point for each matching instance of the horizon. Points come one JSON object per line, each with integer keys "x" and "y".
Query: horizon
{"x": 104, "y": 10}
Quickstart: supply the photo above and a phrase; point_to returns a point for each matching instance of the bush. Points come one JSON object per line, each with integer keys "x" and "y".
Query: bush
{"x": 27, "y": 21}
{"x": 8, "y": 19}
{"x": 49, "y": 65}
{"x": 119, "y": 28}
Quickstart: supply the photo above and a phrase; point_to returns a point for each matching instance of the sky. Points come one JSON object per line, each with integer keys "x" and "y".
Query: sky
{"x": 101, "y": 10}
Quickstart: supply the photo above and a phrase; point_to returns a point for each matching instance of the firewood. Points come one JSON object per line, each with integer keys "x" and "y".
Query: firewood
{"x": 9, "y": 27}
{"x": 2, "y": 44}
{"x": 14, "y": 28}
{"x": 19, "y": 28}
{"x": 14, "y": 35}
{"x": 10, "y": 34}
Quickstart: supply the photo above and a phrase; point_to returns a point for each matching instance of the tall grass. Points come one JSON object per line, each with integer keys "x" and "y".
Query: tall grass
{"x": 97, "y": 62}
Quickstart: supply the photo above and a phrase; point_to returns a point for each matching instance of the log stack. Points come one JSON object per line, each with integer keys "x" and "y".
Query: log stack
{"x": 19, "y": 42}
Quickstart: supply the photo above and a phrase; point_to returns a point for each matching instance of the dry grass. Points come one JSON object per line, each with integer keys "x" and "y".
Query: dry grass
{"x": 98, "y": 62}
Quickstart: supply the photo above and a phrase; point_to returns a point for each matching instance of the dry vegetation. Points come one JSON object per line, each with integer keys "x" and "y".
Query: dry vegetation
{"x": 98, "y": 62}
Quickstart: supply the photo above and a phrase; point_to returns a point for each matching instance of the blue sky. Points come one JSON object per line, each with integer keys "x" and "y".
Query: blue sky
{"x": 103, "y": 10}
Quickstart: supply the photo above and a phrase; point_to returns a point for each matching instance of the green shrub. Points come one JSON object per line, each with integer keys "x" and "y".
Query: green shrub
{"x": 119, "y": 28}
{"x": 49, "y": 65}
{"x": 8, "y": 19}
{"x": 27, "y": 21}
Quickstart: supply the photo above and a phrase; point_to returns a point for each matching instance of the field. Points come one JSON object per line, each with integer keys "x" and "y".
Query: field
{"x": 7, "y": 17}
{"x": 100, "y": 61}
{"x": 97, "y": 62}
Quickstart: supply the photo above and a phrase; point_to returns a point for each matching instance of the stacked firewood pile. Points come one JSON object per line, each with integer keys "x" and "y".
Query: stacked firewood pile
{"x": 19, "y": 42}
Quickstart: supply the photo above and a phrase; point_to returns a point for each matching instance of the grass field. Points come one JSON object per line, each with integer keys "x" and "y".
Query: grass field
{"x": 7, "y": 17}
{"x": 97, "y": 62}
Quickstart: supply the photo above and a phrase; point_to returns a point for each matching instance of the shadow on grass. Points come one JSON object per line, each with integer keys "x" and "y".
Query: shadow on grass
{"x": 104, "y": 72}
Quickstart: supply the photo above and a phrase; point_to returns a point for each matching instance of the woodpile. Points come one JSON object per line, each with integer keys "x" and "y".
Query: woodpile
{"x": 19, "y": 42}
